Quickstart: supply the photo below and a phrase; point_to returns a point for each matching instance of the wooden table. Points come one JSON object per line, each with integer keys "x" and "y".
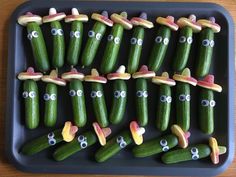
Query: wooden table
{"x": 6, "y": 9}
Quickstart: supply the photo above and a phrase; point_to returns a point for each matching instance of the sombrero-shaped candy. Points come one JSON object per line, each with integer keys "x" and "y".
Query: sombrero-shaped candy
{"x": 143, "y": 73}
{"x": 163, "y": 79}
{"x": 101, "y": 133}
{"x": 29, "y": 17}
{"x": 216, "y": 150}
{"x": 53, "y": 78}
{"x": 122, "y": 19}
{"x": 103, "y": 18}
{"x": 30, "y": 74}
{"x": 185, "y": 77}
{"x": 190, "y": 22}
{"x": 210, "y": 24}
{"x": 168, "y": 21}
{"x": 69, "y": 131}
{"x": 95, "y": 77}
{"x": 75, "y": 16}
{"x": 119, "y": 74}
{"x": 53, "y": 16}
{"x": 73, "y": 74}
{"x": 142, "y": 21}
{"x": 182, "y": 136}
{"x": 137, "y": 132}
{"x": 208, "y": 83}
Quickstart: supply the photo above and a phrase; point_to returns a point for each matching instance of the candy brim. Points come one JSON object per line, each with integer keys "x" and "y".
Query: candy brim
{"x": 99, "y": 133}
{"x": 116, "y": 76}
{"x": 182, "y": 22}
{"x": 183, "y": 141}
{"x": 69, "y": 76}
{"x": 26, "y": 76}
{"x": 210, "y": 86}
{"x": 25, "y": 19}
{"x": 71, "y": 18}
{"x": 56, "y": 81}
{"x": 185, "y": 79}
{"x": 98, "y": 79}
{"x": 136, "y": 21}
{"x": 138, "y": 139}
{"x": 160, "y": 80}
{"x": 55, "y": 17}
{"x": 102, "y": 19}
{"x": 166, "y": 22}
{"x": 121, "y": 20}
{"x": 214, "y": 150}
{"x": 208, "y": 24}
{"x": 148, "y": 74}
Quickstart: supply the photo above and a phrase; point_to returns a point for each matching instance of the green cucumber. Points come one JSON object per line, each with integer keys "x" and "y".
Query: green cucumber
{"x": 74, "y": 146}
{"x": 112, "y": 49}
{"x": 38, "y": 46}
{"x": 112, "y": 147}
{"x": 154, "y": 146}
{"x": 159, "y": 49}
{"x": 119, "y": 101}
{"x": 39, "y": 144}
{"x": 182, "y": 155}
{"x": 75, "y": 43}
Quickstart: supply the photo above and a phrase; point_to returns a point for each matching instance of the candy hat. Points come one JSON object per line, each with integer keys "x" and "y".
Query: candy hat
{"x": 75, "y": 16}
{"x": 182, "y": 136}
{"x": 142, "y": 21}
{"x": 69, "y": 131}
{"x": 190, "y": 22}
{"x": 119, "y": 74}
{"x": 95, "y": 77}
{"x": 163, "y": 79}
{"x": 137, "y": 132}
{"x": 185, "y": 77}
{"x": 53, "y": 78}
{"x": 53, "y": 16}
{"x": 168, "y": 21}
{"x": 101, "y": 133}
{"x": 29, "y": 17}
{"x": 143, "y": 73}
{"x": 103, "y": 18}
{"x": 73, "y": 74}
{"x": 216, "y": 150}
{"x": 208, "y": 83}
{"x": 211, "y": 23}
{"x": 30, "y": 74}
{"x": 122, "y": 19}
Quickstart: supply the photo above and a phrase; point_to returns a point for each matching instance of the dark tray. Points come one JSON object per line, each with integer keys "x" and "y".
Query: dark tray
{"x": 20, "y": 57}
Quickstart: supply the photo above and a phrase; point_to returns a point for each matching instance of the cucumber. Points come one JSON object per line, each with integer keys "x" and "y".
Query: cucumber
{"x": 38, "y": 47}
{"x": 119, "y": 101}
{"x": 39, "y": 144}
{"x": 50, "y": 111}
{"x": 159, "y": 49}
{"x": 164, "y": 107}
{"x": 205, "y": 52}
{"x": 92, "y": 44}
{"x": 112, "y": 49}
{"x": 78, "y": 102}
{"x": 183, "y": 48}
{"x": 182, "y": 155}
{"x": 113, "y": 147}
{"x": 75, "y": 43}
{"x": 74, "y": 146}
{"x": 31, "y": 104}
{"x": 154, "y": 146}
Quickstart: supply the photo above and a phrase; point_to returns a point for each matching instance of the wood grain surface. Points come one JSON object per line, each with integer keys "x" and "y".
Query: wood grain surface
{"x": 6, "y": 9}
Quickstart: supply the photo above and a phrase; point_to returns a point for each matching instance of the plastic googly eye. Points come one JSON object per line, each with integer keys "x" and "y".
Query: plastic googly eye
{"x": 109, "y": 37}
{"x": 77, "y": 34}
{"x": 117, "y": 94}
{"x": 163, "y": 98}
{"x": 29, "y": 36}
{"x": 163, "y": 142}
{"x": 205, "y": 42}
{"x": 35, "y": 34}
{"x": 99, "y": 94}
{"x": 189, "y": 40}
{"x": 133, "y": 40}
{"x": 52, "y": 141}
{"x": 53, "y": 97}
{"x": 81, "y": 138}
{"x": 123, "y": 94}
{"x": 166, "y": 41}
{"x": 46, "y": 97}
{"x": 139, "y": 93}
{"x": 119, "y": 139}
{"x": 91, "y": 33}
{"x": 195, "y": 156}
{"x": 72, "y": 93}
{"x": 168, "y": 99}
{"x": 79, "y": 92}
{"x": 98, "y": 36}
{"x": 140, "y": 42}
{"x": 145, "y": 94}
{"x": 123, "y": 144}
{"x": 25, "y": 94}
{"x": 182, "y": 39}
{"x": 212, "y": 43}
{"x": 54, "y": 31}
{"x": 182, "y": 97}
{"x": 188, "y": 97}
{"x": 165, "y": 148}
{"x": 158, "y": 39}
{"x": 60, "y": 32}
{"x": 83, "y": 144}
{"x": 32, "y": 94}
{"x": 51, "y": 135}
{"x": 117, "y": 40}
{"x": 204, "y": 102}
{"x": 93, "y": 94}
{"x": 212, "y": 103}
{"x": 194, "y": 150}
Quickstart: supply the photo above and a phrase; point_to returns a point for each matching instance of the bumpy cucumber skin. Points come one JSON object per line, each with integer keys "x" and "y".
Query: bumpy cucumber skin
{"x": 206, "y": 113}
{"x": 99, "y": 106}
{"x": 112, "y": 147}
{"x": 182, "y": 155}
{"x": 50, "y": 112}
{"x": 31, "y": 105}
{"x": 205, "y": 53}
{"x": 141, "y": 102}
{"x": 39, "y": 144}
{"x": 78, "y": 104}
{"x": 159, "y": 49}
{"x": 163, "y": 110}
{"x": 153, "y": 146}
{"x": 183, "y": 49}
{"x": 118, "y": 104}
{"x": 135, "y": 51}
{"x": 183, "y": 107}
{"x": 72, "y": 147}
{"x": 39, "y": 48}
{"x": 92, "y": 45}
{"x": 74, "y": 47}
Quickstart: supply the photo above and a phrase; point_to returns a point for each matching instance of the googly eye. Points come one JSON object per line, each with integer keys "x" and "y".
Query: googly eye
{"x": 35, "y": 34}
{"x": 81, "y": 138}
{"x": 72, "y": 93}
{"x": 117, "y": 40}
{"x": 145, "y": 94}
{"x": 133, "y": 40}
{"x": 53, "y": 97}
{"x": 52, "y": 141}
{"x": 77, "y": 34}
{"x": 123, "y": 144}
{"x": 165, "y": 148}
{"x": 163, "y": 142}
{"x": 205, "y": 42}
{"x": 169, "y": 99}
{"x": 25, "y": 94}
{"x": 182, "y": 97}
{"x": 188, "y": 97}
{"x": 60, "y": 32}
{"x": 204, "y": 102}
{"x": 109, "y": 37}
{"x": 32, "y": 94}
{"x": 99, "y": 94}
{"x": 139, "y": 93}
{"x": 29, "y": 36}
{"x": 182, "y": 39}
{"x": 212, "y": 43}
{"x": 212, "y": 103}
{"x": 98, "y": 36}
{"x": 54, "y": 31}
{"x": 123, "y": 94}
{"x": 158, "y": 39}
{"x": 166, "y": 41}
{"x": 51, "y": 135}
{"x": 119, "y": 139}
{"x": 83, "y": 144}
{"x": 46, "y": 97}
{"x": 93, "y": 94}
{"x": 91, "y": 33}
{"x": 117, "y": 94}
{"x": 194, "y": 150}
{"x": 195, "y": 156}
{"x": 140, "y": 42}
{"x": 79, "y": 92}
{"x": 189, "y": 40}
{"x": 163, "y": 98}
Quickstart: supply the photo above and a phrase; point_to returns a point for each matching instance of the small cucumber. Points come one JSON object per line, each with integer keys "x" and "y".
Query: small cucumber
{"x": 155, "y": 146}
{"x": 113, "y": 146}
{"x": 79, "y": 143}
{"x": 182, "y": 155}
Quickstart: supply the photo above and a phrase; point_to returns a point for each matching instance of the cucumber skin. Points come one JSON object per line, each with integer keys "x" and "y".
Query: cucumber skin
{"x": 111, "y": 51}
{"x": 75, "y": 44}
{"x": 159, "y": 50}
{"x": 112, "y": 147}
{"x": 183, "y": 50}
{"x": 92, "y": 45}
{"x": 205, "y": 53}
{"x": 50, "y": 112}
{"x": 31, "y": 105}
{"x": 99, "y": 106}
{"x": 206, "y": 113}
{"x": 141, "y": 103}
{"x": 153, "y": 146}
{"x": 72, "y": 147}
{"x": 183, "y": 108}
{"x": 58, "y": 47}
{"x": 135, "y": 51}
{"x": 182, "y": 155}
{"x": 39, "y": 144}
{"x": 39, "y": 48}
{"x": 163, "y": 110}
{"x": 118, "y": 104}
{"x": 78, "y": 104}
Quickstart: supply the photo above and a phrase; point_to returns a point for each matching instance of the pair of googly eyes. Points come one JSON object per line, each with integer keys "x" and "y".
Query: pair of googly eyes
{"x": 92, "y": 34}
{"x": 118, "y": 94}
{"x": 164, "y": 143}
{"x": 183, "y": 97}
{"x": 47, "y": 97}
{"x": 55, "y": 32}
{"x": 142, "y": 93}
{"x": 164, "y": 98}
{"x": 75, "y": 34}
{"x": 51, "y": 140}
{"x": 134, "y": 41}
{"x": 210, "y": 103}
{"x": 33, "y": 34}
{"x": 159, "y": 39}
{"x": 83, "y": 141}
{"x": 184, "y": 39}
{"x": 207, "y": 42}
{"x": 112, "y": 38}
{"x": 74, "y": 93}
{"x": 95, "y": 94}
{"x": 194, "y": 152}
{"x": 120, "y": 140}
{"x": 30, "y": 94}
